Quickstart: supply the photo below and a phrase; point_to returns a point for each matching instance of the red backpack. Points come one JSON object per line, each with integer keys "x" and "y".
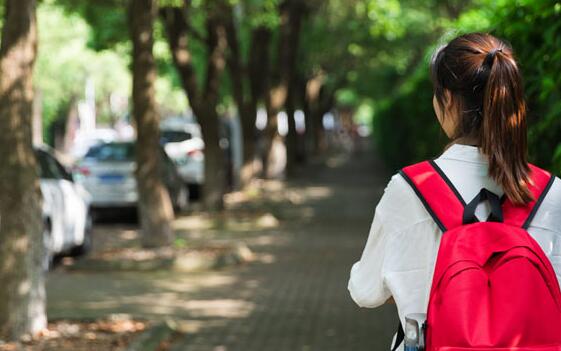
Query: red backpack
{"x": 493, "y": 286}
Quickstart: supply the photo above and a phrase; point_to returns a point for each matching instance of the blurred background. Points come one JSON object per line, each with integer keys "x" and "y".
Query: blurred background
{"x": 201, "y": 174}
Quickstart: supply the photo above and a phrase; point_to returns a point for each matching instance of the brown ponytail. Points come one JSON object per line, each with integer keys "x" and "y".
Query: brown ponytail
{"x": 483, "y": 78}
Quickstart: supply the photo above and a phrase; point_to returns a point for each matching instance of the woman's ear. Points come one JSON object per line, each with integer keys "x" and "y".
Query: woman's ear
{"x": 448, "y": 103}
{"x": 448, "y": 118}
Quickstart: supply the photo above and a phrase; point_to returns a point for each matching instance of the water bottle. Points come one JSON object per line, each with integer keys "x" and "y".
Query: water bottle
{"x": 414, "y": 332}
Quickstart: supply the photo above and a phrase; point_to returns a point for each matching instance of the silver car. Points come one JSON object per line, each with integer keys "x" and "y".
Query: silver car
{"x": 107, "y": 172}
{"x": 184, "y": 145}
{"x": 66, "y": 215}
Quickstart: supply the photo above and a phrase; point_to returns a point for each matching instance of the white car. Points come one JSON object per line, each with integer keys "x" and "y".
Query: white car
{"x": 184, "y": 144}
{"x": 66, "y": 215}
{"x": 84, "y": 141}
{"x": 107, "y": 172}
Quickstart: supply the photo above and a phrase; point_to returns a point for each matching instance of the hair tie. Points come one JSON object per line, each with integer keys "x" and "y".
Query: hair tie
{"x": 490, "y": 57}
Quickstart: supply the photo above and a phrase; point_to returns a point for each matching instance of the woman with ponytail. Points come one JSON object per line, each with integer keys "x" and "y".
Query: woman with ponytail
{"x": 479, "y": 102}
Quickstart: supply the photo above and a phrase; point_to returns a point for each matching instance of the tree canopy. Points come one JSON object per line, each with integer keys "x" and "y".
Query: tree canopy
{"x": 371, "y": 55}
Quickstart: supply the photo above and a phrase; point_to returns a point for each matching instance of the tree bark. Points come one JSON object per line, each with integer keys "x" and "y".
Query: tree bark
{"x": 203, "y": 100}
{"x": 22, "y": 296}
{"x": 215, "y": 167}
{"x": 37, "y": 119}
{"x": 154, "y": 205}
{"x": 247, "y": 99}
{"x": 215, "y": 163}
{"x": 291, "y": 12}
{"x": 320, "y": 99}
{"x": 259, "y": 81}
{"x": 292, "y": 136}
{"x": 324, "y": 105}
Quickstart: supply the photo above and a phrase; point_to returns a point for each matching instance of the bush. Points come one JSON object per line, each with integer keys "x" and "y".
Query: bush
{"x": 405, "y": 127}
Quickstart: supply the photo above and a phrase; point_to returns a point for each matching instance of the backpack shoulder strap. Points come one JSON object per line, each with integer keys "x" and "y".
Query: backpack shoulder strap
{"x": 521, "y": 216}
{"x": 439, "y": 196}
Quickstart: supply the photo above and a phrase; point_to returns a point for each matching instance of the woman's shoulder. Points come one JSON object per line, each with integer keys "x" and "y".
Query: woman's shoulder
{"x": 548, "y": 215}
{"x": 400, "y": 204}
{"x": 397, "y": 189}
{"x": 552, "y": 200}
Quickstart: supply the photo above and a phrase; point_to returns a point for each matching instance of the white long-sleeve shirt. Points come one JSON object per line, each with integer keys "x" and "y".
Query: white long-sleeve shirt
{"x": 400, "y": 253}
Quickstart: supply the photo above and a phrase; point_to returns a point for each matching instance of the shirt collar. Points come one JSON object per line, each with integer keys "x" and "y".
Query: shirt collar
{"x": 466, "y": 153}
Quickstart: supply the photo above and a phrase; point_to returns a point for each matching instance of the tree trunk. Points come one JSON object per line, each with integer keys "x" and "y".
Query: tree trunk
{"x": 215, "y": 165}
{"x": 246, "y": 99}
{"x": 291, "y": 13}
{"x": 258, "y": 75}
{"x": 249, "y": 143}
{"x": 301, "y": 135}
{"x": 22, "y": 296}
{"x": 319, "y": 101}
{"x": 154, "y": 204}
{"x": 203, "y": 100}
{"x": 37, "y": 119}
{"x": 271, "y": 136}
{"x": 292, "y": 136}
{"x": 325, "y": 104}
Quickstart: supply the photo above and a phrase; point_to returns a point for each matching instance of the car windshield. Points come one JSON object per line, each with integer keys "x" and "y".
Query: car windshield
{"x": 174, "y": 136}
{"x": 47, "y": 167}
{"x": 111, "y": 152}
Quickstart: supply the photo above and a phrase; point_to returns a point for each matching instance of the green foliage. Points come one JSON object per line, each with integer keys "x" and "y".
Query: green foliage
{"x": 373, "y": 51}
{"x": 108, "y": 34}
{"x": 406, "y": 129}
{"x": 259, "y": 13}
{"x": 65, "y": 63}
{"x": 534, "y": 29}
{"x": 378, "y": 49}
{"x": 371, "y": 47}
{"x": 108, "y": 18}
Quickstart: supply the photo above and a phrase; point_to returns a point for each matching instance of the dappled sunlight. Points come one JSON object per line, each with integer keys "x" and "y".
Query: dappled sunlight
{"x": 129, "y": 234}
{"x": 266, "y": 221}
{"x": 318, "y": 192}
{"x": 194, "y": 282}
{"x": 265, "y": 258}
{"x": 192, "y": 326}
{"x": 300, "y": 252}
{"x": 165, "y": 294}
{"x": 337, "y": 161}
{"x": 114, "y": 236}
{"x": 268, "y": 240}
{"x": 307, "y": 213}
{"x": 193, "y": 222}
{"x": 277, "y": 191}
{"x": 237, "y": 221}
{"x": 171, "y": 304}
{"x": 225, "y": 308}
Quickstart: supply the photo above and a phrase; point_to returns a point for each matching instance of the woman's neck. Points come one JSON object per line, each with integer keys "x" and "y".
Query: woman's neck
{"x": 466, "y": 141}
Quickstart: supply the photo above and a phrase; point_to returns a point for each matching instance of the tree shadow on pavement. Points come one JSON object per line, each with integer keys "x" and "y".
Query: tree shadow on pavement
{"x": 293, "y": 297}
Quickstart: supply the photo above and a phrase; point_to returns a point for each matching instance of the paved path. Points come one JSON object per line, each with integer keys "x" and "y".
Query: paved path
{"x": 295, "y": 299}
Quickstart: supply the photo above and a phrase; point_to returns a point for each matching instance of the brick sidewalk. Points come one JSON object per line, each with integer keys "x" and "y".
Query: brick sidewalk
{"x": 300, "y": 302}
{"x": 294, "y": 300}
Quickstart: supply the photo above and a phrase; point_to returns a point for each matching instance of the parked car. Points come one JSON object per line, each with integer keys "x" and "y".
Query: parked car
{"x": 107, "y": 172}
{"x": 84, "y": 141}
{"x": 184, "y": 144}
{"x": 66, "y": 212}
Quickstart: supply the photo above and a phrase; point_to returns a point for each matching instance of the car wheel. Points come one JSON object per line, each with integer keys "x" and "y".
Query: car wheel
{"x": 194, "y": 191}
{"x": 87, "y": 244}
{"x": 181, "y": 199}
{"x": 48, "y": 256}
